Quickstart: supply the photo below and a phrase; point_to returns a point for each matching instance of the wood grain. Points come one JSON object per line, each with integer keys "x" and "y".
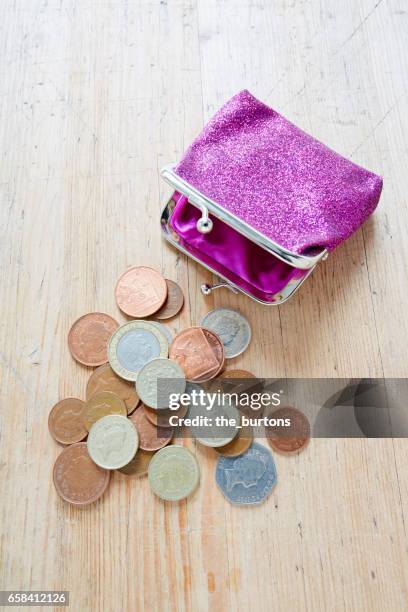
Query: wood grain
{"x": 96, "y": 95}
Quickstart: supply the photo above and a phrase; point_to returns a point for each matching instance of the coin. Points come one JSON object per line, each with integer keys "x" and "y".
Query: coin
{"x": 174, "y": 473}
{"x": 237, "y": 374}
{"x": 174, "y": 302}
{"x": 193, "y": 389}
{"x": 113, "y": 441}
{"x": 89, "y": 336}
{"x": 288, "y": 439}
{"x": 65, "y": 423}
{"x": 76, "y": 477}
{"x": 242, "y": 383}
{"x": 192, "y": 351}
{"x": 140, "y": 292}
{"x": 105, "y": 379}
{"x": 150, "y": 438}
{"x": 158, "y": 380}
{"x": 239, "y": 444}
{"x": 215, "y": 433}
{"x": 139, "y": 464}
{"x": 164, "y": 329}
{"x": 249, "y": 478}
{"x": 232, "y": 327}
{"x": 100, "y": 405}
{"x": 160, "y": 418}
{"x": 219, "y": 352}
{"x": 133, "y": 345}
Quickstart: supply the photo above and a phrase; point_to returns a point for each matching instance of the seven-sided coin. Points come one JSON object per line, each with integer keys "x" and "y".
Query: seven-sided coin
{"x": 249, "y": 478}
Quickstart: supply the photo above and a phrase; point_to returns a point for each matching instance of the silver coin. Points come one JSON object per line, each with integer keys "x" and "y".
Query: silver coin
{"x": 163, "y": 328}
{"x": 232, "y": 327}
{"x": 158, "y": 380}
{"x": 133, "y": 345}
{"x": 222, "y": 424}
{"x": 112, "y": 441}
{"x": 193, "y": 389}
{"x": 249, "y": 478}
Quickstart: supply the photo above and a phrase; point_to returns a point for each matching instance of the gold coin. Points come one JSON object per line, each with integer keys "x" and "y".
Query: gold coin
{"x": 239, "y": 444}
{"x": 100, "y": 405}
{"x": 237, "y": 374}
{"x": 139, "y": 464}
{"x": 105, "y": 379}
{"x": 160, "y": 418}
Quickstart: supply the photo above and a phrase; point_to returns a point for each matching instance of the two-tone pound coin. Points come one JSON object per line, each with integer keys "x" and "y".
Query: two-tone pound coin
{"x": 158, "y": 380}
{"x": 232, "y": 327}
{"x": 164, "y": 329}
{"x": 174, "y": 473}
{"x": 113, "y": 442}
{"x": 249, "y": 478}
{"x": 133, "y": 345}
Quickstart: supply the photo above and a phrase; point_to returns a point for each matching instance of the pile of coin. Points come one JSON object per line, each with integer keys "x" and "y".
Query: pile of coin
{"x": 123, "y": 423}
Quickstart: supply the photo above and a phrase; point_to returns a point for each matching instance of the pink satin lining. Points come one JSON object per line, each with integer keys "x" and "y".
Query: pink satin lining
{"x": 231, "y": 254}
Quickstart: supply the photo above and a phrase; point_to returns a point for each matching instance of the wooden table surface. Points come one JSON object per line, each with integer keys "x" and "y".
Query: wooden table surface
{"x": 96, "y": 95}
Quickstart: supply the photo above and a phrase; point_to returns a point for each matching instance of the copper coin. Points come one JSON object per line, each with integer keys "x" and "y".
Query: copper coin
{"x": 288, "y": 439}
{"x": 150, "y": 438}
{"x": 105, "y": 379}
{"x": 65, "y": 423}
{"x": 77, "y": 478}
{"x": 194, "y": 353}
{"x": 242, "y": 383}
{"x": 140, "y": 292}
{"x": 89, "y": 337}
{"x": 139, "y": 464}
{"x": 101, "y": 404}
{"x": 239, "y": 444}
{"x": 217, "y": 347}
{"x": 174, "y": 302}
{"x": 160, "y": 418}
{"x": 237, "y": 374}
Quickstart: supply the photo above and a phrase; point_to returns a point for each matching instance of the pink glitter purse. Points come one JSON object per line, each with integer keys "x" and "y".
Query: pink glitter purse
{"x": 260, "y": 203}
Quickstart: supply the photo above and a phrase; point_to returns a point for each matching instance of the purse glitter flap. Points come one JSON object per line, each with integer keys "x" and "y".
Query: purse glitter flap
{"x": 260, "y": 203}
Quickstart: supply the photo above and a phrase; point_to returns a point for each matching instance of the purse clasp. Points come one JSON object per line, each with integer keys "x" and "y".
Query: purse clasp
{"x": 206, "y": 288}
{"x": 204, "y": 224}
